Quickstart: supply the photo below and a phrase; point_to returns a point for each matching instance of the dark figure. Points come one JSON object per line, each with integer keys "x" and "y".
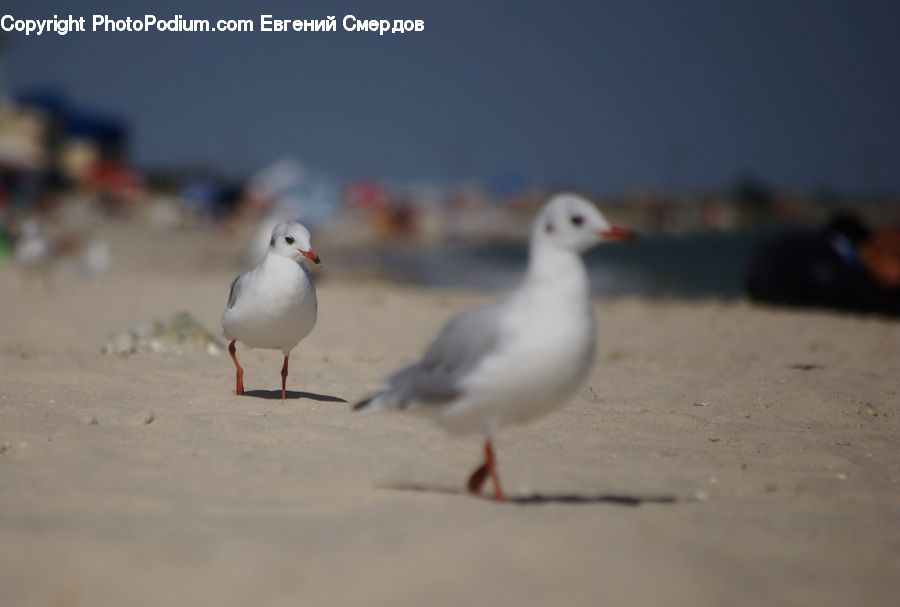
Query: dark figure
{"x": 821, "y": 269}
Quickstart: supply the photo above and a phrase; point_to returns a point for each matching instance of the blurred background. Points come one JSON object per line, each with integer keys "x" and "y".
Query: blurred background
{"x": 756, "y": 145}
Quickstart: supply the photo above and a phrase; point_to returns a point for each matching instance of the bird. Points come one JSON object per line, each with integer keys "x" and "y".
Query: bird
{"x": 274, "y": 305}
{"x": 35, "y": 253}
{"x": 516, "y": 359}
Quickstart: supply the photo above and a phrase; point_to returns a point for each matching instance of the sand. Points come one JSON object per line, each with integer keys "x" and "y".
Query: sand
{"x": 142, "y": 480}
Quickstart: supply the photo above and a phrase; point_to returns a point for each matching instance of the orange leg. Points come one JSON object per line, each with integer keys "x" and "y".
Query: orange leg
{"x": 239, "y": 374}
{"x": 492, "y": 469}
{"x": 476, "y": 480}
{"x": 488, "y": 468}
{"x": 284, "y": 378}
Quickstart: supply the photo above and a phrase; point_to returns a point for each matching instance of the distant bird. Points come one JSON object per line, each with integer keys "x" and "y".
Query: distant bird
{"x": 34, "y": 253}
{"x": 516, "y": 359}
{"x": 273, "y": 305}
{"x": 95, "y": 260}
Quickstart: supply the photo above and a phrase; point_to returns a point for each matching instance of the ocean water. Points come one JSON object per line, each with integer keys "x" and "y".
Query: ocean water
{"x": 692, "y": 266}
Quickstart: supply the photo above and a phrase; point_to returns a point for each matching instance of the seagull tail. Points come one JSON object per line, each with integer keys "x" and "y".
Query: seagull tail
{"x": 378, "y": 401}
{"x": 369, "y": 403}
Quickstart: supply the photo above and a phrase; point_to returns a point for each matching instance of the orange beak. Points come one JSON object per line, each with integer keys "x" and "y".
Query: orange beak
{"x": 617, "y": 233}
{"x": 311, "y": 255}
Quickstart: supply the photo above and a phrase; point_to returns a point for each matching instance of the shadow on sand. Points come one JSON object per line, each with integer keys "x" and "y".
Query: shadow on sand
{"x": 530, "y": 499}
{"x": 293, "y": 395}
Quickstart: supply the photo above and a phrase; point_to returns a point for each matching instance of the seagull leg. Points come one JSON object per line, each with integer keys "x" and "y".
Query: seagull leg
{"x": 481, "y": 473}
{"x": 476, "y": 480}
{"x": 284, "y": 374}
{"x": 491, "y": 463}
{"x": 239, "y": 373}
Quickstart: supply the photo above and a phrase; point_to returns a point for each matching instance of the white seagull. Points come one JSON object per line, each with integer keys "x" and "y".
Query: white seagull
{"x": 273, "y": 305}
{"x": 518, "y": 358}
{"x": 34, "y": 253}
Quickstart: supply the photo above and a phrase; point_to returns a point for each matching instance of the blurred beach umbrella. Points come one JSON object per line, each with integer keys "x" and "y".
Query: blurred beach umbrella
{"x": 291, "y": 190}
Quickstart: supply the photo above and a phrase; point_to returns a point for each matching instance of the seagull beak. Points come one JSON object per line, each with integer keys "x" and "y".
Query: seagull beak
{"x": 311, "y": 255}
{"x": 617, "y": 233}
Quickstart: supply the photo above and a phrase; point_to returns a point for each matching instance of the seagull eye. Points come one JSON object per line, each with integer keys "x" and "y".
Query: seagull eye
{"x": 289, "y": 239}
{"x": 577, "y": 220}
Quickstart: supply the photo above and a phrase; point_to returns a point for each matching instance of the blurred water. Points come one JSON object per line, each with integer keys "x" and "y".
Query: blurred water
{"x": 694, "y": 266}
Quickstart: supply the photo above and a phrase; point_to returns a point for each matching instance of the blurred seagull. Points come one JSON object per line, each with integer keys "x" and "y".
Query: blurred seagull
{"x": 516, "y": 359}
{"x": 34, "y": 253}
{"x": 273, "y": 305}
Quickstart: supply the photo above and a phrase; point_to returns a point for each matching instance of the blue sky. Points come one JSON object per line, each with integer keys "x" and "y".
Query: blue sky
{"x": 606, "y": 96}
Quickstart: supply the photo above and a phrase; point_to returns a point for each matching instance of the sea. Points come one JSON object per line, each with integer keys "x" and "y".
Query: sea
{"x": 697, "y": 266}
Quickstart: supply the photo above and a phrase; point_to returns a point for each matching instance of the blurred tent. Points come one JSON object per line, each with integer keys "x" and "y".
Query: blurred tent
{"x": 108, "y": 132}
{"x": 88, "y": 147}
{"x": 210, "y": 195}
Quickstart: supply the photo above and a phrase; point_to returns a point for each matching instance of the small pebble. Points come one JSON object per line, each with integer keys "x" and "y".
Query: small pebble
{"x": 95, "y": 421}
{"x": 713, "y": 439}
{"x": 704, "y": 403}
{"x": 150, "y": 419}
{"x": 841, "y": 476}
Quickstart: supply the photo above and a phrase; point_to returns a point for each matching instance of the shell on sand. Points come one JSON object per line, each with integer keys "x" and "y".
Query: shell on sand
{"x": 181, "y": 334}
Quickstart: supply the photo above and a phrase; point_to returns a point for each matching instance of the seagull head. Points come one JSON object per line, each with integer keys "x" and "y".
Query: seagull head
{"x": 291, "y": 239}
{"x": 571, "y": 222}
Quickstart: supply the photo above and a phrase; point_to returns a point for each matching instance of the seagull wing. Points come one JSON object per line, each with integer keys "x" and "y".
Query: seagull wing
{"x": 235, "y": 291}
{"x": 463, "y": 343}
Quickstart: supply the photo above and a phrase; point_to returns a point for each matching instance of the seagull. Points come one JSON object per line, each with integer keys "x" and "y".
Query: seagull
{"x": 273, "y": 305}
{"x": 514, "y": 360}
{"x": 34, "y": 253}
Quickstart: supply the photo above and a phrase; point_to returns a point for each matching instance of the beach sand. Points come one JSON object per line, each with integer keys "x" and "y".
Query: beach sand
{"x": 142, "y": 480}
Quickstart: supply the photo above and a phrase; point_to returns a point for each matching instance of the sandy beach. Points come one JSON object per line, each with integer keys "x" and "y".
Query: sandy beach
{"x": 769, "y": 435}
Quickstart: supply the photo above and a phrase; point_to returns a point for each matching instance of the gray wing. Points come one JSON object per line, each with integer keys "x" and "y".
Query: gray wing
{"x": 461, "y": 346}
{"x": 235, "y": 290}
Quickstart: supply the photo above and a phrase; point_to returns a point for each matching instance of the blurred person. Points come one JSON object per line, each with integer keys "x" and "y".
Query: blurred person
{"x": 841, "y": 266}
{"x": 96, "y": 259}
{"x": 880, "y": 254}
